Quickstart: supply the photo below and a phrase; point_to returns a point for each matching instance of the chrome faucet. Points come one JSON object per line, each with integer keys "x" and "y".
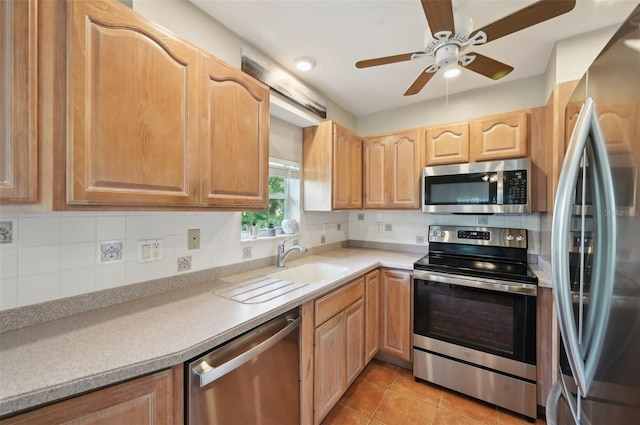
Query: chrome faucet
{"x": 282, "y": 255}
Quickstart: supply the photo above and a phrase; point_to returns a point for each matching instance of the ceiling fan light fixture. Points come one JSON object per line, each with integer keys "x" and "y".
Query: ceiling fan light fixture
{"x": 304, "y": 64}
{"x": 452, "y": 71}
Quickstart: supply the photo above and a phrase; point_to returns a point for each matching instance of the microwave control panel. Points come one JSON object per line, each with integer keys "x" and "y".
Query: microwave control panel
{"x": 515, "y": 187}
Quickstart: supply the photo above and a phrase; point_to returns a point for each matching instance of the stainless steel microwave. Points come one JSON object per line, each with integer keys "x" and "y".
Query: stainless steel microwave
{"x": 492, "y": 187}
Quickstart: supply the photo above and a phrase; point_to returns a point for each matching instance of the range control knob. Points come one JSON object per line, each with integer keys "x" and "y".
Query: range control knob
{"x": 519, "y": 238}
{"x": 434, "y": 233}
{"x": 509, "y": 237}
{"x": 442, "y": 234}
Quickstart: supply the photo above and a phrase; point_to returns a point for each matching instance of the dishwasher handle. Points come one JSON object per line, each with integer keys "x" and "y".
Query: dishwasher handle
{"x": 208, "y": 373}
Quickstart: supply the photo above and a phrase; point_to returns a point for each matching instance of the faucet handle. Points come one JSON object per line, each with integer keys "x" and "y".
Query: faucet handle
{"x": 282, "y": 242}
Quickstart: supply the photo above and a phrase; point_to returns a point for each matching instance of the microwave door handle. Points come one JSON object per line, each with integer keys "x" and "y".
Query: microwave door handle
{"x": 604, "y": 254}
{"x": 560, "y": 244}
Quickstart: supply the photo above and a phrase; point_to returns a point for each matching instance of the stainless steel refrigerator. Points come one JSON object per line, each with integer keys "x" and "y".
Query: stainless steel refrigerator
{"x": 595, "y": 244}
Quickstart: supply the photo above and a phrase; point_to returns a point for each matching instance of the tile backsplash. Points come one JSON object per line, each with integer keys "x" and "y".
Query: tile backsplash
{"x": 411, "y": 227}
{"x": 59, "y": 254}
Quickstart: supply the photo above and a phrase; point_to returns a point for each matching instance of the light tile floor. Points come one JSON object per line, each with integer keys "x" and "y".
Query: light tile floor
{"x": 385, "y": 394}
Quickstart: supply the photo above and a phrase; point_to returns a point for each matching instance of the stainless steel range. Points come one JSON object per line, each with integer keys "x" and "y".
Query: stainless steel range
{"x": 474, "y": 327}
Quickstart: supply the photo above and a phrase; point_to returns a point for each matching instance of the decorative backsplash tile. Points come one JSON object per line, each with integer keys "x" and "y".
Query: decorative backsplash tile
{"x": 110, "y": 251}
{"x": 6, "y": 231}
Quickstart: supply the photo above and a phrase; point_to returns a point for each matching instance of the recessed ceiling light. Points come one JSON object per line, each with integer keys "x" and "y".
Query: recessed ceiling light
{"x": 453, "y": 71}
{"x": 304, "y": 64}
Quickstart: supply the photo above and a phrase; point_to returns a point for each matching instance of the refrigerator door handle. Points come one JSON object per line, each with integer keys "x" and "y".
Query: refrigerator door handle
{"x": 583, "y": 356}
{"x": 604, "y": 255}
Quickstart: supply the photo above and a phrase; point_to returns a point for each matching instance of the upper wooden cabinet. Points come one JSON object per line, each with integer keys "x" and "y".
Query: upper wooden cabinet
{"x": 617, "y": 121}
{"x": 129, "y": 115}
{"x": 391, "y": 170}
{"x": 447, "y": 144}
{"x": 331, "y": 168}
{"x": 18, "y": 103}
{"x": 499, "y": 137}
{"x": 133, "y": 109}
{"x": 235, "y": 137}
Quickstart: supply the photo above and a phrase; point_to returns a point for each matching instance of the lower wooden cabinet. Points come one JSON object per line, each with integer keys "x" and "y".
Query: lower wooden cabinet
{"x": 151, "y": 399}
{"x": 338, "y": 345}
{"x": 548, "y": 341}
{"x": 372, "y": 314}
{"x": 395, "y": 314}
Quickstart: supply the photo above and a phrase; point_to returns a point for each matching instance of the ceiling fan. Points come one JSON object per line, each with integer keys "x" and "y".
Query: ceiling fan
{"x": 448, "y": 39}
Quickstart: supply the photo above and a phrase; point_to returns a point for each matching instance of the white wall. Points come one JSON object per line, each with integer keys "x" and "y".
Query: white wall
{"x": 505, "y": 97}
{"x": 189, "y": 22}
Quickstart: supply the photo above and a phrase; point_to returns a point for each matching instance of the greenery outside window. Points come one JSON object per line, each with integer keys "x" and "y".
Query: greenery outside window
{"x": 284, "y": 199}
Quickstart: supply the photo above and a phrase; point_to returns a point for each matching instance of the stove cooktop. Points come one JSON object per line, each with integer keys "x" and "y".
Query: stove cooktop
{"x": 477, "y": 267}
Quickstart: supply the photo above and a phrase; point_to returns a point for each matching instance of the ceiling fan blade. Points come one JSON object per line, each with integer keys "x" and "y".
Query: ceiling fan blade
{"x": 386, "y": 59}
{"x": 488, "y": 67}
{"x": 419, "y": 83}
{"x": 540, "y": 11}
{"x": 439, "y": 15}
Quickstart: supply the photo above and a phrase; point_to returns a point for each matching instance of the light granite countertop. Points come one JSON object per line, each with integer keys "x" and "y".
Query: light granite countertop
{"x": 57, "y": 359}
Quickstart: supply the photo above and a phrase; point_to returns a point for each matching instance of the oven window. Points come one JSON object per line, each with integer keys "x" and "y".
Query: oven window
{"x": 494, "y": 322}
{"x": 477, "y": 188}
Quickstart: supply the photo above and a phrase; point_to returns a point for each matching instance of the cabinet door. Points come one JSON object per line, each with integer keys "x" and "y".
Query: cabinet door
{"x": 347, "y": 169}
{"x": 235, "y": 137}
{"x": 499, "y": 137}
{"x": 152, "y": 399}
{"x": 372, "y": 315}
{"x": 403, "y": 170}
{"x": 354, "y": 349}
{"x": 447, "y": 144}
{"x": 133, "y": 109}
{"x": 395, "y": 314}
{"x": 18, "y": 103}
{"x": 329, "y": 365}
{"x": 547, "y": 343}
{"x": 374, "y": 172}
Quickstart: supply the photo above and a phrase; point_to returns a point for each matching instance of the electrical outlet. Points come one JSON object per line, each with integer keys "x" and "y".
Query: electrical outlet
{"x": 388, "y": 227}
{"x": 339, "y": 227}
{"x": 360, "y": 216}
{"x": 246, "y": 252}
{"x": 184, "y": 263}
{"x": 323, "y": 239}
{"x": 150, "y": 250}
{"x": 379, "y": 227}
{"x": 420, "y": 240}
{"x": 483, "y": 220}
{"x": 193, "y": 239}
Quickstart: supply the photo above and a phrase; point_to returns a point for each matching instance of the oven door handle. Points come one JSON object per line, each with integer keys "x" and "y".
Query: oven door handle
{"x": 478, "y": 283}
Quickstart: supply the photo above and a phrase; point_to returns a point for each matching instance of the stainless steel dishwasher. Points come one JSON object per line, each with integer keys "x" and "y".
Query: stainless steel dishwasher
{"x": 254, "y": 379}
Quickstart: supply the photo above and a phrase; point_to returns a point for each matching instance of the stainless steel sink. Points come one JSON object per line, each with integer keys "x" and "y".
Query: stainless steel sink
{"x": 265, "y": 288}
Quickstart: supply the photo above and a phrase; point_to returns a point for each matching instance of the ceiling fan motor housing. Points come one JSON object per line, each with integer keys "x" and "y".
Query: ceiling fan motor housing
{"x": 447, "y": 55}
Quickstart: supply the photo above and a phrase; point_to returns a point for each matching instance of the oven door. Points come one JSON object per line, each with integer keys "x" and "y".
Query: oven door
{"x": 487, "y": 316}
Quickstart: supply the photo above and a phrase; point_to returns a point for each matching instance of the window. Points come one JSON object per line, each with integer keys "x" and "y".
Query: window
{"x": 284, "y": 199}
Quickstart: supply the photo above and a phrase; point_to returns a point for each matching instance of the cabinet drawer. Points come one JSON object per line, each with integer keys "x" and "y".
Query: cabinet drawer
{"x": 335, "y": 302}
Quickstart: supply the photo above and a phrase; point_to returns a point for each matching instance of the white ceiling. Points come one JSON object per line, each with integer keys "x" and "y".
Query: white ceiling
{"x": 338, "y": 33}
